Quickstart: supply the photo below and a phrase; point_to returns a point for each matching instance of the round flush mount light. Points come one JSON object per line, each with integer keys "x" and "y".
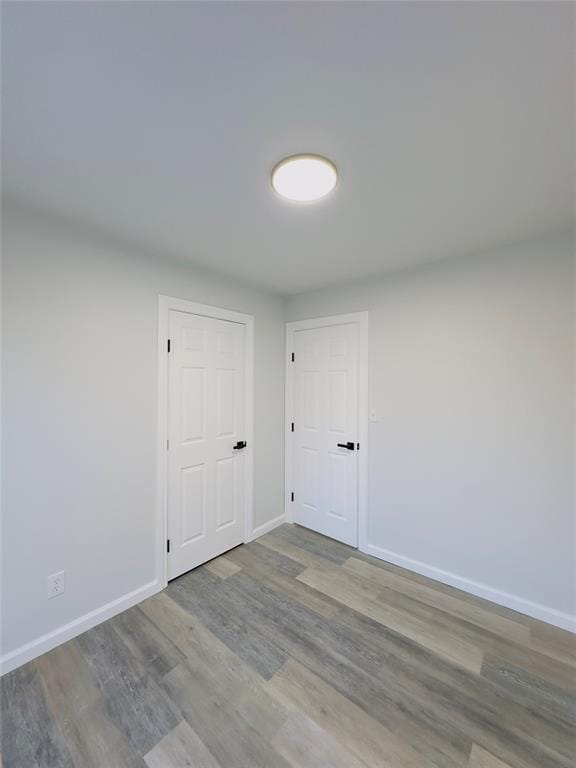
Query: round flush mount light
{"x": 304, "y": 178}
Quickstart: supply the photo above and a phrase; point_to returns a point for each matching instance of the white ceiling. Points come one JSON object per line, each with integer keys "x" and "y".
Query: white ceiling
{"x": 452, "y": 125}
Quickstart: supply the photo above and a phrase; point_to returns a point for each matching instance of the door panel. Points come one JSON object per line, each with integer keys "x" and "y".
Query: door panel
{"x": 226, "y": 487}
{"x": 206, "y": 418}
{"x": 192, "y": 404}
{"x": 193, "y": 508}
{"x": 337, "y": 402}
{"x": 325, "y": 414}
{"x": 337, "y": 498}
{"x": 225, "y": 405}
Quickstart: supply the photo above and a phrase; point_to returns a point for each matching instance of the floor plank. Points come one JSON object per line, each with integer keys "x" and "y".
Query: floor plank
{"x": 132, "y": 695}
{"x": 222, "y": 567}
{"x": 209, "y": 600}
{"x": 67, "y": 682}
{"x": 360, "y": 734}
{"x": 306, "y": 745}
{"x": 77, "y": 706}
{"x": 532, "y": 691}
{"x": 345, "y": 589}
{"x": 479, "y": 758}
{"x": 181, "y": 748}
{"x": 146, "y": 642}
{"x": 95, "y": 741}
{"x": 454, "y": 606}
{"x": 231, "y": 738}
{"x": 254, "y": 564}
{"x": 30, "y": 737}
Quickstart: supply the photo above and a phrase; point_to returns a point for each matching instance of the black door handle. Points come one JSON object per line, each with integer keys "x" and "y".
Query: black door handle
{"x": 240, "y": 444}
{"x": 349, "y": 446}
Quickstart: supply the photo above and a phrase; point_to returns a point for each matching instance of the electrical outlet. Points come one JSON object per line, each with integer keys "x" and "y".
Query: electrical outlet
{"x": 373, "y": 416}
{"x": 56, "y": 584}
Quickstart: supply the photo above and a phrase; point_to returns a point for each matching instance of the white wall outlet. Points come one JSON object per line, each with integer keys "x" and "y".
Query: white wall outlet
{"x": 56, "y": 584}
{"x": 373, "y": 416}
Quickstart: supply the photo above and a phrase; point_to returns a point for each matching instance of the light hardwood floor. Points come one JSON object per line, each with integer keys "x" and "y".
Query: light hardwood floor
{"x": 298, "y": 651}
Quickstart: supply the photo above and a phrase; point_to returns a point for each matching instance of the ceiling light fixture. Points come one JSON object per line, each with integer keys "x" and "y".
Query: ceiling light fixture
{"x": 304, "y": 178}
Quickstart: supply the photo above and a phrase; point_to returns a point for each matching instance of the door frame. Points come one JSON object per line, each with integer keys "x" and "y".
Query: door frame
{"x": 165, "y": 305}
{"x": 361, "y": 319}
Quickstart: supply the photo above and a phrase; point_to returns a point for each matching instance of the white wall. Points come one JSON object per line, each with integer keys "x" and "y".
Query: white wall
{"x": 471, "y": 460}
{"x": 80, "y": 419}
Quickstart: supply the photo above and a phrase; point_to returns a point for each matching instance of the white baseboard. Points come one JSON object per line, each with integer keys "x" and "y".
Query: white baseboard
{"x": 516, "y": 603}
{"x": 74, "y": 628}
{"x": 50, "y": 640}
{"x": 267, "y": 527}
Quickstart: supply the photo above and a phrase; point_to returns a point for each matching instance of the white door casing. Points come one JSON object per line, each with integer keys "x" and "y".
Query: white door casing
{"x": 326, "y": 402}
{"x": 205, "y": 410}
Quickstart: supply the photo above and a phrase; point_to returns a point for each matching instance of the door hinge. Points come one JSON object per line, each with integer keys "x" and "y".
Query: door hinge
{"x": 292, "y": 356}
{"x": 167, "y": 545}
{"x": 292, "y": 426}
{"x": 292, "y": 496}
{"x": 168, "y": 346}
{"x": 167, "y": 445}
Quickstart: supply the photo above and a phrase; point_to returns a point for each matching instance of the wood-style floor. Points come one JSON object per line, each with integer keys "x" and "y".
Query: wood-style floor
{"x": 299, "y": 651}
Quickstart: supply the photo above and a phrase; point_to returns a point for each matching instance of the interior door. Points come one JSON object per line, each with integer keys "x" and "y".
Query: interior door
{"x": 206, "y": 430}
{"x": 325, "y": 459}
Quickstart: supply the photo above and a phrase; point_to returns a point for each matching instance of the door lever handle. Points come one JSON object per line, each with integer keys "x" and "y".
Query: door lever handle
{"x": 240, "y": 444}
{"x": 349, "y": 446}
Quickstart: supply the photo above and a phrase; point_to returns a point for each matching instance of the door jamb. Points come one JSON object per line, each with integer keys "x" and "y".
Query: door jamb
{"x": 361, "y": 318}
{"x": 165, "y": 305}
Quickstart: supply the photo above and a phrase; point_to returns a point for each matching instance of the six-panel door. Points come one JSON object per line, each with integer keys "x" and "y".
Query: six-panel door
{"x": 206, "y": 419}
{"x": 326, "y": 415}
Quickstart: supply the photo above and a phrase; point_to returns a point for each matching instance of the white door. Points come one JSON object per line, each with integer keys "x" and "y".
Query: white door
{"x": 206, "y": 428}
{"x": 325, "y": 439}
